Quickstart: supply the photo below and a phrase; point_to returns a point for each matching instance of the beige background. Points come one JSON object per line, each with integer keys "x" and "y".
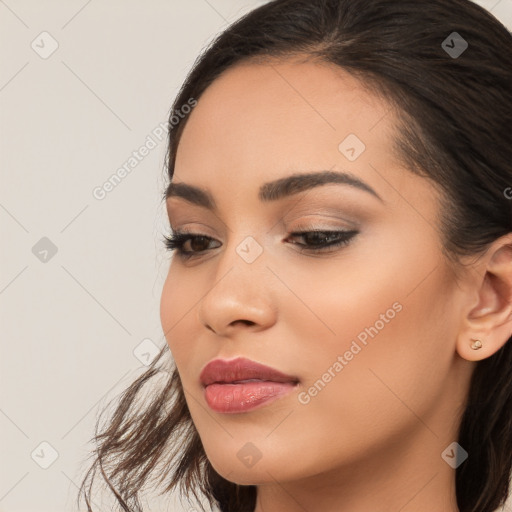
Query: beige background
{"x": 74, "y": 323}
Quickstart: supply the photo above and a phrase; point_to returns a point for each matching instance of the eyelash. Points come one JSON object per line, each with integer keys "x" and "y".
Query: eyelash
{"x": 175, "y": 241}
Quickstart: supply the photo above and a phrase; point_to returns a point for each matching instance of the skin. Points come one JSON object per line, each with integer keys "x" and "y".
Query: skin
{"x": 372, "y": 438}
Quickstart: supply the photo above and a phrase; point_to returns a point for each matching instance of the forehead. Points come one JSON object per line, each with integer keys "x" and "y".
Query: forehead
{"x": 260, "y": 121}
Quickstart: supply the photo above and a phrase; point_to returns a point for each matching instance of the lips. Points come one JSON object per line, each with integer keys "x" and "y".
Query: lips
{"x": 241, "y": 385}
{"x": 241, "y": 370}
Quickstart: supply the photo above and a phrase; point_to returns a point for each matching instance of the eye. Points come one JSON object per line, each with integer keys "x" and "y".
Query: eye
{"x": 176, "y": 241}
{"x": 317, "y": 241}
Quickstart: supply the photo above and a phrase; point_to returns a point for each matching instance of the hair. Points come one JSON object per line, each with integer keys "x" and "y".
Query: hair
{"x": 454, "y": 127}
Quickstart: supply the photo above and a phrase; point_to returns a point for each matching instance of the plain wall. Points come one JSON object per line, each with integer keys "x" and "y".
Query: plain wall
{"x": 82, "y": 272}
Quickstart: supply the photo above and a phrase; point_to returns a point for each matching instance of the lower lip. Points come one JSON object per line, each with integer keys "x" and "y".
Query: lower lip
{"x": 245, "y": 396}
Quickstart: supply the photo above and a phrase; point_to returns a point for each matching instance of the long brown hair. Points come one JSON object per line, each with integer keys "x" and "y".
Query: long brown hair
{"x": 455, "y": 129}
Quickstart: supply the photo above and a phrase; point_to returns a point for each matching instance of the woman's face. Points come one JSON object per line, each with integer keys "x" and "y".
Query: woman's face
{"x": 368, "y": 328}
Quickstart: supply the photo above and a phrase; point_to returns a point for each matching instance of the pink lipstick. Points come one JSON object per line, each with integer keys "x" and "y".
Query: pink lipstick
{"x": 241, "y": 385}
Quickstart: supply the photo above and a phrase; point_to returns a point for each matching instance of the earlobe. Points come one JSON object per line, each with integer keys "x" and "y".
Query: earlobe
{"x": 488, "y": 324}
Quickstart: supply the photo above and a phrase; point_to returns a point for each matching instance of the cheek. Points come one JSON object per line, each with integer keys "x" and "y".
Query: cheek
{"x": 177, "y": 313}
{"x": 376, "y": 349}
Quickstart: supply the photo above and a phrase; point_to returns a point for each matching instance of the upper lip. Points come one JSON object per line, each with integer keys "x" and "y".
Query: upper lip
{"x": 234, "y": 370}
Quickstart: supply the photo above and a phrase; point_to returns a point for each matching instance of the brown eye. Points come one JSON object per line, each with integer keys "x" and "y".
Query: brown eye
{"x": 318, "y": 240}
{"x": 198, "y": 243}
{"x": 176, "y": 241}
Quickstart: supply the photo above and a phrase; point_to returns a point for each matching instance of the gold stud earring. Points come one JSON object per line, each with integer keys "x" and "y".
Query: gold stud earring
{"x": 476, "y": 344}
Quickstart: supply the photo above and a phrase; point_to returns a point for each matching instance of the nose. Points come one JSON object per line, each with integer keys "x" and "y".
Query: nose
{"x": 240, "y": 296}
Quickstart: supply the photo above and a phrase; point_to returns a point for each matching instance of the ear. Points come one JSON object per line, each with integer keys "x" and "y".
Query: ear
{"x": 488, "y": 314}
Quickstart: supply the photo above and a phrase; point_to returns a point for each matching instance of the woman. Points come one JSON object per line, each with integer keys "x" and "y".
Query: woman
{"x": 339, "y": 305}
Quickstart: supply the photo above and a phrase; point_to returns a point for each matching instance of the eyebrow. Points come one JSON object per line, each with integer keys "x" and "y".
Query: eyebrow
{"x": 273, "y": 190}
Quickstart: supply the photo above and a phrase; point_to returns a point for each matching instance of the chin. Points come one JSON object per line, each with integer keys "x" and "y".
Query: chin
{"x": 248, "y": 476}
{"x": 244, "y": 467}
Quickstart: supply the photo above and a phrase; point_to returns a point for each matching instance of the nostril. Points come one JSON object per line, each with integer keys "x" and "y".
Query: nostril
{"x": 245, "y": 322}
